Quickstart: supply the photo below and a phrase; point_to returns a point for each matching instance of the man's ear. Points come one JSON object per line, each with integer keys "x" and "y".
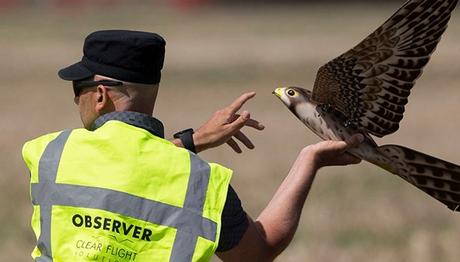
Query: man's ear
{"x": 103, "y": 103}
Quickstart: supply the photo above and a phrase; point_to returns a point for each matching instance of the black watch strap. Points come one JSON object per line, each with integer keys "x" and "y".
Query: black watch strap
{"x": 186, "y": 137}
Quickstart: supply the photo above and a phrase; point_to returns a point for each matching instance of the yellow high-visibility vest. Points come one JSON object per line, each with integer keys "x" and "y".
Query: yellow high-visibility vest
{"x": 120, "y": 193}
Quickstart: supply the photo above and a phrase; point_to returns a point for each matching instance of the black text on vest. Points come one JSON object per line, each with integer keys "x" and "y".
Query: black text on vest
{"x": 113, "y": 225}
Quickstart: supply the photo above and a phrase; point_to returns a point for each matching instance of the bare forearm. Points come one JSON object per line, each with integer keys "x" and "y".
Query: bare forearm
{"x": 279, "y": 220}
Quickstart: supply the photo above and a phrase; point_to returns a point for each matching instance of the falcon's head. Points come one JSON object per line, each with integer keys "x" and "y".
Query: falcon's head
{"x": 293, "y": 96}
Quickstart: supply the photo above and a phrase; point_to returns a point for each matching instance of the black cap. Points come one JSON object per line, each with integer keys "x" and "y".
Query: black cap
{"x": 130, "y": 56}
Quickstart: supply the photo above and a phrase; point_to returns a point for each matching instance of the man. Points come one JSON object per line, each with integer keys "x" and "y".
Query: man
{"x": 118, "y": 191}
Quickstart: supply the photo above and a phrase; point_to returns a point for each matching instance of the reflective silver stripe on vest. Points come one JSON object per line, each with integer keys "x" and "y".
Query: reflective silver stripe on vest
{"x": 194, "y": 201}
{"x": 188, "y": 221}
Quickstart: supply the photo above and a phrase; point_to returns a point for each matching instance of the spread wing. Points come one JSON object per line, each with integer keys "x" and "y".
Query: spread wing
{"x": 370, "y": 83}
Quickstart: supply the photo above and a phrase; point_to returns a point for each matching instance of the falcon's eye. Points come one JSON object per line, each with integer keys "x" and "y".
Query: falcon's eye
{"x": 291, "y": 92}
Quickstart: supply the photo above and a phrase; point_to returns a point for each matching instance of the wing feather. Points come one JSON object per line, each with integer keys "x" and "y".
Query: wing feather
{"x": 370, "y": 84}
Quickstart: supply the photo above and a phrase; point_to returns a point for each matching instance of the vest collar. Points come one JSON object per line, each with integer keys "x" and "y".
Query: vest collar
{"x": 140, "y": 120}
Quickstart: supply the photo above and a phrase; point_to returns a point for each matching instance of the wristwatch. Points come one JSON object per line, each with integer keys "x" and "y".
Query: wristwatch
{"x": 186, "y": 137}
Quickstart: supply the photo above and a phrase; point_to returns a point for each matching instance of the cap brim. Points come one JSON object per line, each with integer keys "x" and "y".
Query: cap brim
{"x": 75, "y": 72}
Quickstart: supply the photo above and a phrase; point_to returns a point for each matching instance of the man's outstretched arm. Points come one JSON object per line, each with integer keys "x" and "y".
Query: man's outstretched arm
{"x": 275, "y": 227}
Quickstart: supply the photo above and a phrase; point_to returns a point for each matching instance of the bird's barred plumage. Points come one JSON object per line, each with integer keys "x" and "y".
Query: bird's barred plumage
{"x": 365, "y": 90}
{"x": 438, "y": 178}
{"x": 370, "y": 83}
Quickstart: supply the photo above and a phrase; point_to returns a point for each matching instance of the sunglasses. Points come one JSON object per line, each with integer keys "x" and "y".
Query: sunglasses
{"x": 79, "y": 85}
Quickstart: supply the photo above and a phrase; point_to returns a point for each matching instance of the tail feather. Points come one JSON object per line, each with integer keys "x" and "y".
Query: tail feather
{"x": 436, "y": 177}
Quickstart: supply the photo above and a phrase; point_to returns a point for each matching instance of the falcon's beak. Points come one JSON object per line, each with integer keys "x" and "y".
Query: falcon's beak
{"x": 278, "y": 92}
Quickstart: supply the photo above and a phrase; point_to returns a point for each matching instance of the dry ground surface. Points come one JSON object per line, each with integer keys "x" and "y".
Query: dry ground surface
{"x": 358, "y": 213}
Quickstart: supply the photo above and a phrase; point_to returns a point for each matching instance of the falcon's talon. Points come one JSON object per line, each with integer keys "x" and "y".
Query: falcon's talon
{"x": 348, "y": 123}
{"x": 325, "y": 108}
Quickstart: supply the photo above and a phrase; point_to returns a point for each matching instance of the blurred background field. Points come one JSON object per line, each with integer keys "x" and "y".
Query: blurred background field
{"x": 214, "y": 53}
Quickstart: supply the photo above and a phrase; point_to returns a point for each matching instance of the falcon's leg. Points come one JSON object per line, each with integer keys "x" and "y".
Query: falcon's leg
{"x": 348, "y": 123}
{"x": 325, "y": 108}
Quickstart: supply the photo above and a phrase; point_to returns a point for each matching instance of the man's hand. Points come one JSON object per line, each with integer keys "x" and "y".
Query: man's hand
{"x": 333, "y": 153}
{"x": 225, "y": 125}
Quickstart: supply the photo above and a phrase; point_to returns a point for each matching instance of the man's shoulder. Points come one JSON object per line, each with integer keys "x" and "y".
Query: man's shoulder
{"x": 34, "y": 148}
{"x": 42, "y": 139}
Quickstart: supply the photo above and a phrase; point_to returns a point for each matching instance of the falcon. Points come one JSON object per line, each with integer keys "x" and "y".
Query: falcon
{"x": 366, "y": 89}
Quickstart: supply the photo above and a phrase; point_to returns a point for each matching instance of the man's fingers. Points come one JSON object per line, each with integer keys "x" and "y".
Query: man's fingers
{"x": 244, "y": 139}
{"x": 355, "y": 140}
{"x": 241, "y": 120}
{"x": 254, "y": 124}
{"x": 239, "y": 102}
{"x": 250, "y": 122}
{"x": 342, "y": 146}
{"x": 345, "y": 160}
{"x": 234, "y": 145}
{"x": 351, "y": 142}
{"x": 350, "y": 159}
